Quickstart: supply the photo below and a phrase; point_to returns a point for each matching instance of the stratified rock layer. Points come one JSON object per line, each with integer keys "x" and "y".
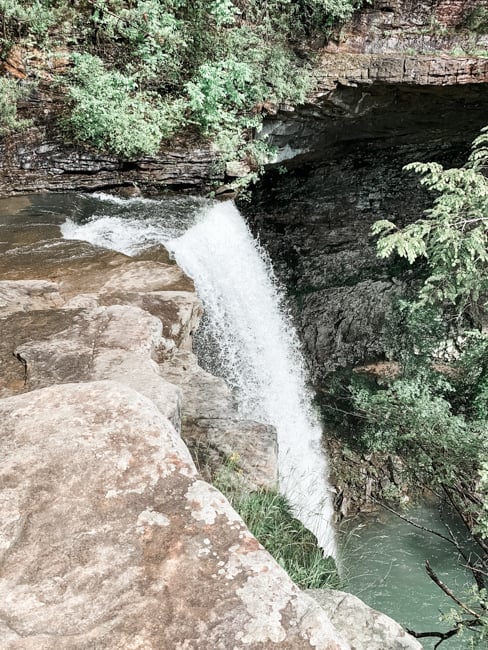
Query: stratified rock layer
{"x": 414, "y": 44}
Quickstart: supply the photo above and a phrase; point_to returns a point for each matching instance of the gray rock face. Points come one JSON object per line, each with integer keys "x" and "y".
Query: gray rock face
{"x": 315, "y": 221}
{"x": 42, "y": 162}
{"x": 412, "y": 27}
{"x": 109, "y": 539}
{"x": 350, "y": 328}
{"x": 363, "y": 627}
{"x": 214, "y": 431}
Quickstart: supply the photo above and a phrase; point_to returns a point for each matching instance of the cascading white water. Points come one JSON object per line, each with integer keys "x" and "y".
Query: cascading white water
{"x": 259, "y": 352}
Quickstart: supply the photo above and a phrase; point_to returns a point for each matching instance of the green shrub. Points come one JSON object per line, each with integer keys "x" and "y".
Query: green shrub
{"x": 216, "y": 62}
{"x": 10, "y": 93}
{"x": 109, "y": 112}
{"x": 298, "y": 19}
{"x": 148, "y": 36}
{"x": 31, "y": 19}
{"x": 412, "y": 418}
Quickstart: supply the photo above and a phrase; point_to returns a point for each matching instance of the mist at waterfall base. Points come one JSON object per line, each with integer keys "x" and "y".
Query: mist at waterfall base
{"x": 258, "y": 351}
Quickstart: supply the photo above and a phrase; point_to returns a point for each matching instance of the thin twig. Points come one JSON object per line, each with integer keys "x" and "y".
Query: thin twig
{"x": 432, "y": 575}
{"x": 412, "y": 523}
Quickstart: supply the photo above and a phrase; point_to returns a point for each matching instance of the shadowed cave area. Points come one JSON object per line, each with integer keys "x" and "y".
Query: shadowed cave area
{"x": 315, "y": 219}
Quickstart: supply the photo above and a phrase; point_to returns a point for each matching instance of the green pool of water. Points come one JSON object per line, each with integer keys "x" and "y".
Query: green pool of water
{"x": 383, "y": 560}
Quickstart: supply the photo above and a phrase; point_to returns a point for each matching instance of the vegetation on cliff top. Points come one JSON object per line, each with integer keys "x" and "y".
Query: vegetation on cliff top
{"x": 142, "y": 70}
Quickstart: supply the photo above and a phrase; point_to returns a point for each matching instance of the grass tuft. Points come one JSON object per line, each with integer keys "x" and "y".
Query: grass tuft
{"x": 268, "y": 516}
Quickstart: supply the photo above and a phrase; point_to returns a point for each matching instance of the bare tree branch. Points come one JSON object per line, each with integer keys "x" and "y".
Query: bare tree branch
{"x": 432, "y": 575}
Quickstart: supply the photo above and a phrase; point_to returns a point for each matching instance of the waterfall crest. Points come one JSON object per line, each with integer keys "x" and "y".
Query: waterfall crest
{"x": 258, "y": 348}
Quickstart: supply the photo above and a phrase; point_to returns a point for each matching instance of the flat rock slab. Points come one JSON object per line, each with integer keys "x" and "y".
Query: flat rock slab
{"x": 109, "y": 540}
{"x": 115, "y": 342}
{"x": 18, "y": 329}
{"x": 28, "y": 295}
{"x": 251, "y": 446}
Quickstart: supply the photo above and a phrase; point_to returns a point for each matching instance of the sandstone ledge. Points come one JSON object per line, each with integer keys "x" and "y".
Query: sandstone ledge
{"x": 110, "y": 540}
{"x": 421, "y": 70}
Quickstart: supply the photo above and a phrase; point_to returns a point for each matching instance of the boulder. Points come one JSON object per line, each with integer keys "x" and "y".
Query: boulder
{"x": 110, "y": 540}
{"x": 363, "y": 627}
{"x": 116, "y": 342}
{"x": 215, "y": 431}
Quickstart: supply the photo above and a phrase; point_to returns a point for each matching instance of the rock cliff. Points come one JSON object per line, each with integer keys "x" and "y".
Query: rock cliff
{"x": 395, "y": 43}
{"x": 390, "y": 92}
{"x": 109, "y": 537}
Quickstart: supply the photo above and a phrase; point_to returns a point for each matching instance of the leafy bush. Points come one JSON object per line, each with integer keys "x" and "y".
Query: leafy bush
{"x": 477, "y": 20}
{"x": 434, "y": 413}
{"x": 111, "y": 113}
{"x": 150, "y": 39}
{"x": 412, "y": 418}
{"x": 10, "y": 93}
{"x": 33, "y": 18}
{"x": 298, "y": 19}
{"x": 218, "y": 61}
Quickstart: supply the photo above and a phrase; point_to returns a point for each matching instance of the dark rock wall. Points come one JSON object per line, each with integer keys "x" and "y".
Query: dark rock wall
{"x": 315, "y": 220}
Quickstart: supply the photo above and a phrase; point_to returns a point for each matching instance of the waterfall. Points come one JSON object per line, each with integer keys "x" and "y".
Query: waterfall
{"x": 258, "y": 348}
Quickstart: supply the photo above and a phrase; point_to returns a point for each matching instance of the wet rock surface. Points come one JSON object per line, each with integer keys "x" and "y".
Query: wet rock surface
{"x": 39, "y": 161}
{"x": 213, "y": 429}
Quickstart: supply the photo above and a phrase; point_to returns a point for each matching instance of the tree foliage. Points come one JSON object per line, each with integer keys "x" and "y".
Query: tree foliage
{"x": 434, "y": 411}
{"x": 10, "y": 93}
{"x": 164, "y": 65}
{"x": 452, "y": 236}
{"x": 107, "y": 106}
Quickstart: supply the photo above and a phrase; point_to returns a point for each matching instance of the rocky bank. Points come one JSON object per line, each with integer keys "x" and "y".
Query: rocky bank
{"x": 110, "y": 537}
